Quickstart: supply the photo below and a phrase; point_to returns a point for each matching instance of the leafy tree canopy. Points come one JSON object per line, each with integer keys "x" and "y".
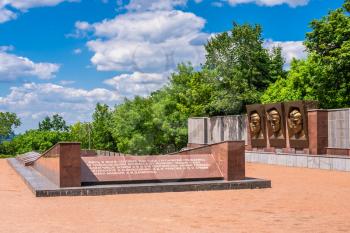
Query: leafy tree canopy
{"x": 324, "y": 75}
{"x": 8, "y": 121}
{"x": 56, "y": 123}
{"x": 245, "y": 68}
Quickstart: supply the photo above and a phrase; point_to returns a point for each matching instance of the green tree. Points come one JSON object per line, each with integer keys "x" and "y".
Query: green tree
{"x": 82, "y": 132}
{"x": 245, "y": 68}
{"x": 189, "y": 93}
{"x": 133, "y": 128}
{"x": 8, "y": 121}
{"x": 324, "y": 75}
{"x": 56, "y": 123}
{"x": 36, "y": 140}
{"x": 298, "y": 85}
{"x": 101, "y": 127}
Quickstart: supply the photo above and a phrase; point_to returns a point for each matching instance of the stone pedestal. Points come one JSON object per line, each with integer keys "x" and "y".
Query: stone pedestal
{"x": 318, "y": 131}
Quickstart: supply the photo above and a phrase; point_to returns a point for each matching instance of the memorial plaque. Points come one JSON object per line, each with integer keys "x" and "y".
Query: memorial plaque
{"x": 276, "y": 125}
{"x": 297, "y": 122}
{"x": 257, "y": 122}
{"x": 149, "y": 168}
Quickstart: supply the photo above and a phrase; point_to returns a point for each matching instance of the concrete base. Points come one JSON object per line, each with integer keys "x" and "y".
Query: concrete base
{"x": 42, "y": 187}
{"x": 325, "y": 162}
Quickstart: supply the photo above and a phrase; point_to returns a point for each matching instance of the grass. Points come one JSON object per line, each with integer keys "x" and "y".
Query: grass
{"x": 6, "y": 156}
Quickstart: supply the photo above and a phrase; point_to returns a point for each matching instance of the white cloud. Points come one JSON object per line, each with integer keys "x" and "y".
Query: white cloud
{"x": 153, "y": 5}
{"x": 13, "y": 67}
{"x": 33, "y": 101}
{"x": 6, "y": 48}
{"x": 145, "y": 44}
{"x": 8, "y": 7}
{"x": 148, "y": 41}
{"x": 6, "y": 15}
{"x": 291, "y": 3}
{"x": 141, "y": 84}
{"x": 66, "y": 82}
{"x": 290, "y": 49}
{"x": 77, "y": 51}
{"x": 217, "y": 4}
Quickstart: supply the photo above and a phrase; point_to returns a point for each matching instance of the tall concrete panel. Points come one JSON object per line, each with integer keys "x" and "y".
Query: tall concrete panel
{"x": 198, "y": 130}
{"x": 216, "y": 132}
{"x": 234, "y": 127}
{"x": 204, "y": 130}
{"x": 339, "y": 128}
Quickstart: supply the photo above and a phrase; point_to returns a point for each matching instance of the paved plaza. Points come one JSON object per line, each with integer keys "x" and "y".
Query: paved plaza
{"x": 301, "y": 200}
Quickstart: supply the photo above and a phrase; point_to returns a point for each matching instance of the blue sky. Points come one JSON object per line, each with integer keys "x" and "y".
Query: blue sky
{"x": 64, "y": 56}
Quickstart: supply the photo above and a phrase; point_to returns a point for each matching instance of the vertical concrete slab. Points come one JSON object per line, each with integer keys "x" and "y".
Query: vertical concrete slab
{"x": 325, "y": 163}
{"x": 272, "y": 159}
{"x": 313, "y": 162}
{"x": 281, "y": 160}
{"x": 339, "y": 128}
{"x": 216, "y": 133}
{"x": 264, "y": 158}
{"x": 301, "y": 161}
{"x": 347, "y": 168}
{"x": 255, "y": 157}
{"x": 339, "y": 164}
{"x": 197, "y": 130}
{"x": 291, "y": 160}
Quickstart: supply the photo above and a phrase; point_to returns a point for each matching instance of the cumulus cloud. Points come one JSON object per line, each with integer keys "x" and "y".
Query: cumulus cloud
{"x": 6, "y": 15}
{"x": 151, "y": 42}
{"x": 145, "y": 44}
{"x": 13, "y": 67}
{"x": 138, "y": 83}
{"x": 66, "y": 82}
{"x": 153, "y": 5}
{"x": 290, "y": 49}
{"x": 9, "y": 8}
{"x": 33, "y": 101}
{"x": 291, "y": 3}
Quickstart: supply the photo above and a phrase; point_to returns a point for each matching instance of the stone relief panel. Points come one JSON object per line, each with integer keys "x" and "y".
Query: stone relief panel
{"x": 276, "y": 125}
{"x": 257, "y": 122}
{"x": 297, "y": 122}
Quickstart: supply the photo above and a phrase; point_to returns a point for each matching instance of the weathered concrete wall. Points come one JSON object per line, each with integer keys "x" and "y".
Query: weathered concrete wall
{"x": 302, "y": 160}
{"x": 235, "y": 128}
{"x": 204, "y": 130}
{"x": 198, "y": 130}
{"x": 339, "y": 128}
{"x": 215, "y": 132}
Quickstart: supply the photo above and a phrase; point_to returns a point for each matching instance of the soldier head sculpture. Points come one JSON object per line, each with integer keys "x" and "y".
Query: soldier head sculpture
{"x": 274, "y": 120}
{"x": 255, "y": 125}
{"x": 295, "y": 124}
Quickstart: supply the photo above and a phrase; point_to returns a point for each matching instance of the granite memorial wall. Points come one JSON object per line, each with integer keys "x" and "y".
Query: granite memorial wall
{"x": 66, "y": 165}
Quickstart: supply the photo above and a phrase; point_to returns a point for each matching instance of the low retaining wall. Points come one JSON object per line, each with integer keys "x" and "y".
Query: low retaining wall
{"x": 300, "y": 160}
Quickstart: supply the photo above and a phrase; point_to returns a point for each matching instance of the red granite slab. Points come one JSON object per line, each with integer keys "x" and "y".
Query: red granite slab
{"x": 145, "y": 168}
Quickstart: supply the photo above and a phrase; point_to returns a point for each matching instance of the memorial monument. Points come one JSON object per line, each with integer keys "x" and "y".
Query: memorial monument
{"x": 65, "y": 169}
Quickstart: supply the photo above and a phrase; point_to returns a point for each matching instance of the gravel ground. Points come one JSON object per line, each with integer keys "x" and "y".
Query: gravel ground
{"x": 301, "y": 200}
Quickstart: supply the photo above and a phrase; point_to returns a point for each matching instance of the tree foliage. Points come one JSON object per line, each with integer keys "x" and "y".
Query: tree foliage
{"x": 82, "y": 132}
{"x": 8, "y": 121}
{"x": 33, "y": 140}
{"x": 324, "y": 75}
{"x": 56, "y": 123}
{"x": 102, "y": 128}
{"x": 245, "y": 68}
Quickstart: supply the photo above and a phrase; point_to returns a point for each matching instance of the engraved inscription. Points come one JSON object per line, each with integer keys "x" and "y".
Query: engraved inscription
{"x": 149, "y": 166}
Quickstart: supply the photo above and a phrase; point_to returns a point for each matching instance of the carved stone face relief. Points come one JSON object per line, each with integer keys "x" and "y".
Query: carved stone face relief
{"x": 295, "y": 124}
{"x": 255, "y": 125}
{"x": 274, "y": 119}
